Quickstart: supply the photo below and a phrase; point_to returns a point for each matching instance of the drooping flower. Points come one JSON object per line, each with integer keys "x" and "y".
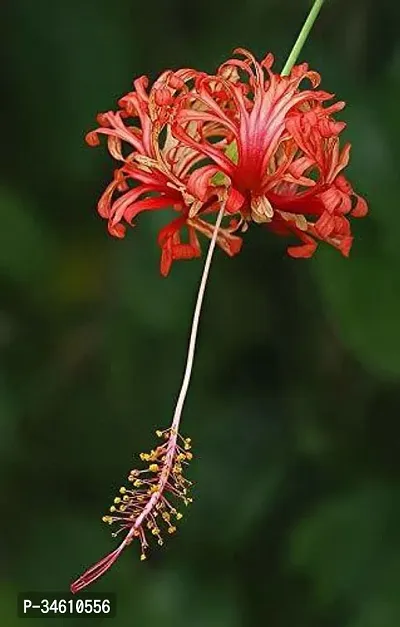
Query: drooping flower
{"x": 174, "y": 143}
{"x": 246, "y": 142}
{"x": 147, "y": 508}
{"x": 287, "y": 167}
{"x": 157, "y": 170}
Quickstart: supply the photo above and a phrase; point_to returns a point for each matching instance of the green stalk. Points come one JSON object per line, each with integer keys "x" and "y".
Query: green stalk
{"x": 301, "y": 39}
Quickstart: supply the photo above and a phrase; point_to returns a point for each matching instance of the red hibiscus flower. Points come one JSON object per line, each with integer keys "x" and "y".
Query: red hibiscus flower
{"x": 157, "y": 170}
{"x": 287, "y": 165}
{"x": 245, "y": 142}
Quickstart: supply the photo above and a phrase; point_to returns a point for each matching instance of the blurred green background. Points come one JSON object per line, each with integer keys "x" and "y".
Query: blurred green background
{"x": 295, "y": 399}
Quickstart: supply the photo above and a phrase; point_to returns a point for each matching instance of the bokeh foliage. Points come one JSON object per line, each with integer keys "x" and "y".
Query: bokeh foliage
{"x": 295, "y": 400}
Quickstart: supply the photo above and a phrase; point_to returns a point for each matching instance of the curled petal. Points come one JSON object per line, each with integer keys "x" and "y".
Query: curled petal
{"x": 229, "y": 243}
{"x": 335, "y": 201}
{"x": 171, "y": 246}
{"x": 234, "y": 201}
{"x": 147, "y": 204}
{"x": 104, "y": 204}
{"x": 200, "y": 180}
{"x": 325, "y": 225}
{"x": 305, "y": 250}
{"x": 361, "y": 208}
{"x": 92, "y": 138}
{"x": 116, "y": 230}
{"x": 120, "y": 207}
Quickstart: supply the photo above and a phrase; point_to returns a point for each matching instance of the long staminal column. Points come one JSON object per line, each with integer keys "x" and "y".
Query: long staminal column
{"x": 139, "y": 509}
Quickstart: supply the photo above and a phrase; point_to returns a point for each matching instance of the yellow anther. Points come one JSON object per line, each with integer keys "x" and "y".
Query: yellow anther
{"x": 125, "y": 498}
{"x": 137, "y": 483}
{"x": 179, "y": 516}
{"x": 153, "y": 468}
{"x": 122, "y": 490}
{"x": 189, "y": 456}
{"x": 155, "y": 531}
{"x": 122, "y": 508}
{"x": 153, "y": 455}
{"x": 142, "y": 557}
{"x": 117, "y": 500}
{"x": 113, "y": 509}
{"x": 166, "y": 516}
{"x": 171, "y": 529}
{"x": 159, "y": 433}
{"x": 105, "y": 519}
{"x": 144, "y": 457}
{"x": 160, "y": 541}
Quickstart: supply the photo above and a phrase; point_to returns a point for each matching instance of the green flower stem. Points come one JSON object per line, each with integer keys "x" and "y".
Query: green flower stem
{"x": 301, "y": 39}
